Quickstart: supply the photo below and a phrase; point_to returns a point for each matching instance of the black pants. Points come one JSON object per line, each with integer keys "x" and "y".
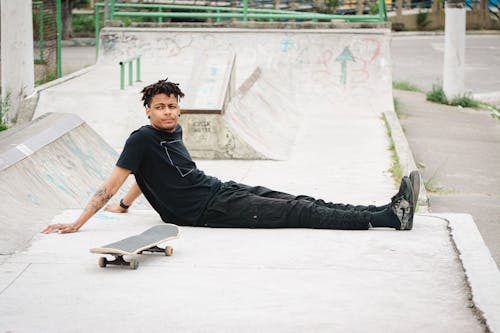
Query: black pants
{"x": 242, "y": 206}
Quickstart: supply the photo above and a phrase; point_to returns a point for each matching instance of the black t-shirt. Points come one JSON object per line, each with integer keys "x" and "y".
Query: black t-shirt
{"x": 167, "y": 175}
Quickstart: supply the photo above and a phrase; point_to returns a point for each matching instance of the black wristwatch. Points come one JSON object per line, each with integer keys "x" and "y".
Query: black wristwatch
{"x": 122, "y": 205}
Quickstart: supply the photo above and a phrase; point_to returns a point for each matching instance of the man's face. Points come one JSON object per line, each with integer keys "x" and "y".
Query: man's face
{"x": 164, "y": 112}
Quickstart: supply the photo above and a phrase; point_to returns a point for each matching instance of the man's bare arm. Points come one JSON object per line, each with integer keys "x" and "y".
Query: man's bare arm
{"x": 127, "y": 200}
{"x": 105, "y": 192}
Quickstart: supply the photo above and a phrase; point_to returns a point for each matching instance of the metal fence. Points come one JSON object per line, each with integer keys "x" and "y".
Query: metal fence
{"x": 46, "y": 39}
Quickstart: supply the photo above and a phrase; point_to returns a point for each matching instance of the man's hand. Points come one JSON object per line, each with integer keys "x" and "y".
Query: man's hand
{"x": 115, "y": 208}
{"x": 61, "y": 228}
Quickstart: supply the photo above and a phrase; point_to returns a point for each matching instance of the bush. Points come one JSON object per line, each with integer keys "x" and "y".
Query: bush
{"x": 83, "y": 23}
{"x": 422, "y": 20}
{"x": 437, "y": 95}
{"x": 465, "y": 101}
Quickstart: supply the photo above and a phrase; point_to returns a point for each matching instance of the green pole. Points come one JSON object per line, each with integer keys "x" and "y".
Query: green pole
{"x": 122, "y": 75}
{"x": 160, "y": 18}
{"x": 130, "y": 72}
{"x": 96, "y": 19}
{"x": 245, "y": 10}
{"x": 382, "y": 11}
{"x": 40, "y": 29}
{"x": 112, "y": 14}
{"x": 138, "y": 69}
{"x": 59, "y": 33}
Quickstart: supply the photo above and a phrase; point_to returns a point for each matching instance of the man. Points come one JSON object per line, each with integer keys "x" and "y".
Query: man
{"x": 184, "y": 195}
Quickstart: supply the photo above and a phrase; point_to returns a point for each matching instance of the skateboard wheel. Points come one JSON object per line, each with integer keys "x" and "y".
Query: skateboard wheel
{"x": 134, "y": 264}
{"x": 169, "y": 250}
{"x": 103, "y": 262}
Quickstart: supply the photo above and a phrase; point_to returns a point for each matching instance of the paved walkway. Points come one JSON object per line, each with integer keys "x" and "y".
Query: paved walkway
{"x": 458, "y": 151}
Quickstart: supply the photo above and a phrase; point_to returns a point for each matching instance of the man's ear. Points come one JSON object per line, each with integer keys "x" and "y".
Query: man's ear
{"x": 148, "y": 111}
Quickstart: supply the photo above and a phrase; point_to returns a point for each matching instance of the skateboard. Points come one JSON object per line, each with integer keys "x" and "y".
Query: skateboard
{"x": 147, "y": 241}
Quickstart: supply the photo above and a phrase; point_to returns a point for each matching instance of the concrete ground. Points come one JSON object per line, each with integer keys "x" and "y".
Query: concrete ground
{"x": 457, "y": 149}
{"x": 267, "y": 280}
{"x": 226, "y": 280}
{"x": 460, "y": 171}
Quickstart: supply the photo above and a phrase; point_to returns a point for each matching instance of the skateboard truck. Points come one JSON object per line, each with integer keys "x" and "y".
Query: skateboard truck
{"x": 119, "y": 261}
{"x": 133, "y": 263}
{"x": 167, "y": 250}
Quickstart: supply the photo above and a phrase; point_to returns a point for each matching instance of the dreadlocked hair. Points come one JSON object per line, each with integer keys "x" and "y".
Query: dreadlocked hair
{"x": 160, "y": 87}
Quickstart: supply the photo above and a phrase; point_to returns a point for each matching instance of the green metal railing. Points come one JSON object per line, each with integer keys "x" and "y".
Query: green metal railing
{"x": 59, "y": 33}
{"x": 130, "y": 64}
{"x": 212, "y": 12}
{"x": 40, "y": 31}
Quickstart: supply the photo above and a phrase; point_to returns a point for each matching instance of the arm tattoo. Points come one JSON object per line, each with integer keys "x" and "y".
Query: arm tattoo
{"x": 98, "y": 200}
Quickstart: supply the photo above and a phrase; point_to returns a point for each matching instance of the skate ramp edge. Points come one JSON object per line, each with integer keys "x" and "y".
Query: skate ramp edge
{"x": 220, "y": 123}
{"x": 481, "y": 270}
{"x": 51, "y": 163}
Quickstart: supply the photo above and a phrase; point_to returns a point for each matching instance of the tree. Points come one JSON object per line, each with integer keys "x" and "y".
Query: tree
{"x": 66, "y": 14}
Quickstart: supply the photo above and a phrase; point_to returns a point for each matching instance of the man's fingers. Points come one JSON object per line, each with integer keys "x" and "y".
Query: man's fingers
{"x": 49, "y": 229}
{"x": 62, "y": 228}
{"x": 67, "y": 229}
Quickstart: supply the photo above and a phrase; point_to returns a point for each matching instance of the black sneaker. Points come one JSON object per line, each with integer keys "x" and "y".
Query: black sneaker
{"x": 403, "y": 203}
{"x": 415, "y": 185}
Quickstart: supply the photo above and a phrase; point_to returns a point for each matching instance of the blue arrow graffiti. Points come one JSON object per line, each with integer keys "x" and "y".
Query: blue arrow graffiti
{"x": 343, "y": 58}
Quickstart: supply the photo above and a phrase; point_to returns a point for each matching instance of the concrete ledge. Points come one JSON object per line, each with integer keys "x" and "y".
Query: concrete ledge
{"x": 64, "y": 79}
{"x": 268, "y": 25}
{"x": 80, "y": 41}
{"x": 403, "y": 150}
{"x": 20, "y": 142}
{"x": 482, "y": 273}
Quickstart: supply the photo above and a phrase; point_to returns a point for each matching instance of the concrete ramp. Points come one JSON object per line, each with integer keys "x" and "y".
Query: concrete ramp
{"x": 263, "y": 116}
{"x": 301, "y": 74}
{"x": 56, "y": 161}
{"x": 256, "y": 122}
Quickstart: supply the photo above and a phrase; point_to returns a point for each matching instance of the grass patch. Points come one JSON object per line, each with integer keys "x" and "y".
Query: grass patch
{"x": 395, "y": 169}
{"x": 466, "y": 101}
{"x": 50, "y": 76}
{"x": 406, "y": 86}
{"x": 437, "y": 95}
{"x": 431, "y": 187}
{"x": 495, "y": 110}
{"x": 4, "y": 109}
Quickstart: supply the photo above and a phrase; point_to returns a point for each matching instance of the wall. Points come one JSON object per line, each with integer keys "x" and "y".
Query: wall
{"x": 17, "y": 54}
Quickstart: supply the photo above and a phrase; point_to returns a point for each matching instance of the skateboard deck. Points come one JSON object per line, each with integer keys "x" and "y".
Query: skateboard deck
{"x": 147, "y": 241}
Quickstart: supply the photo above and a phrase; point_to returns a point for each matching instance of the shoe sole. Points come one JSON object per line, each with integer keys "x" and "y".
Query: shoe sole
{"x": 412, "y": 203}
{"x": 415, "y": 185}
